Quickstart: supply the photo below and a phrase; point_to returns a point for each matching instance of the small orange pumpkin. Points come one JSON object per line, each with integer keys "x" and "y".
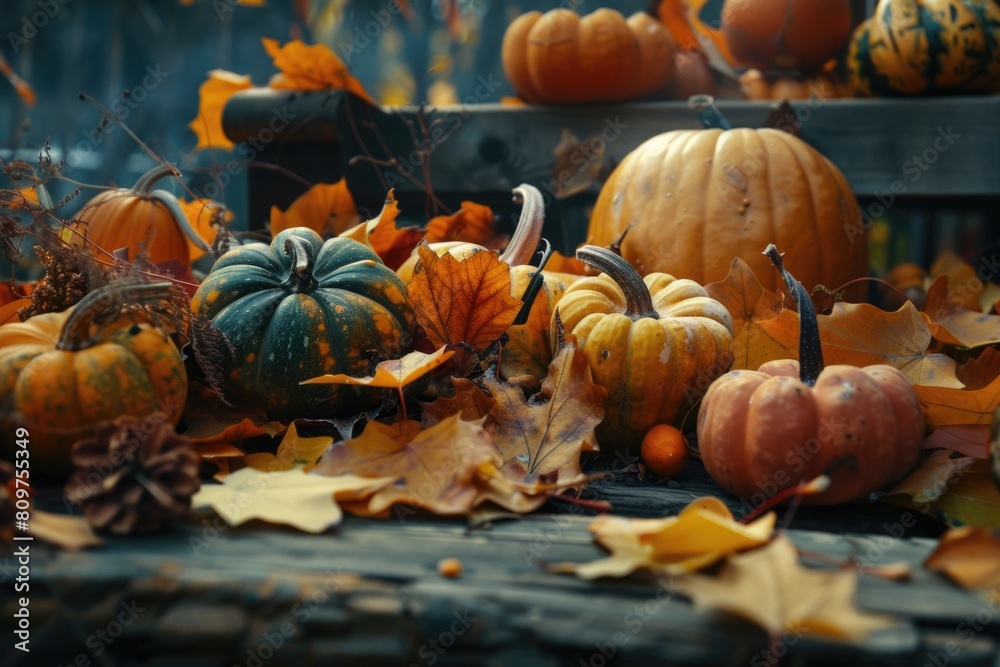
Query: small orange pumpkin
{"x": 139, "y": 219}
{"x": 799, "y": 35}
{"x": 561, "y": 58}
{"x": 61, "y": 375}
{"x": 761, "y": 432}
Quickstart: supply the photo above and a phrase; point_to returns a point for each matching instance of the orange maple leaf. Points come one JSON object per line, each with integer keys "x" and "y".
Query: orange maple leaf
{"x": 311, "y": 67}
{"x": 763, "y": 329}
{"x": 944, "y": 406}
{"x": 968, "y": 556}
{"x": 473, "y": 223}
{"x": 212, "y": 97}
{"x": 954, "y": 324}
{"x": 436, "y": 467}
{"x": 966, "y": 287}
{"x": 393, "y": 373}
{"x": 546, "y": 434}
{"x": 209, "y": 421}
{"x": 326, "y": 208}
{"x": 205, "y": 216}
{"x": 463, "y": 301}
{"x": 392, "y": 244}
{"x": 969, "y": 439}
{"x": 469, "y": 401}
{"x": 859, "y": 334}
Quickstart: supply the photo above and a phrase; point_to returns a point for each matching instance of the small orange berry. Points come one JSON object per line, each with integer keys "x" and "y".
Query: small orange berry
{"x": 450, "y": 568}
{"x": 664, "y": 451}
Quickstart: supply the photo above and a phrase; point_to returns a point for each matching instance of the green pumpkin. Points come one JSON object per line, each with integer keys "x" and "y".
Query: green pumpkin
{"x": 301, "y": 308}
{"x": 928, "y": 47}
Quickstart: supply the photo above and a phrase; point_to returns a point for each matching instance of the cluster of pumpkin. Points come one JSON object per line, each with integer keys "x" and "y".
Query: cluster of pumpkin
{"x": 302, "y": 306}
{"x": 788, "y": 48}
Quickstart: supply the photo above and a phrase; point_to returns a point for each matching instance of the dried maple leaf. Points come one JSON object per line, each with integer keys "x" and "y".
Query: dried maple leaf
{"x": 763, "y": 329}
{"x": 952, "y": 324}
{"x": 311, "y": 67}
{"x": 463, "y": 301}
{"x": 470, "y": 402}
{"x": 434, "y": 468}
{"x": 967, "y": 288}
{"x": 944, "y": 406}
{"x": 859, "y": 334}
{"x": 968, "y": 439}
{"x": 473, "y": 223}
{"x": 288, "y": 497}
{"x": 326, "y": 208}
{"x": 66, "y": 532}
{"x": 968, "y": 556}
{"x": 768, "y": 587}
{"x": 956, "y": 490}
{"x": 209, "y": 421}
{"x": 547, "y": 433}
{"x": 702, "y": 534}
{"x": 392, "y": 244}
{"x": 294, "y": 451}
{"x": 393, "y": 373}
{"x": 212, "y": 96}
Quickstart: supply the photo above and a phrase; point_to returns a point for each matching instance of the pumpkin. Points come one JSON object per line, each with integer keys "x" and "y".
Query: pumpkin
{"x": 692, "y": 200}
{"x": 299, "y": 308}
{"x": 761, "y": 432}
{"x": 527, "y": 351}
{"x": 693, "y": 76}
{"x": 62, "y": 375}
{"x": 926, "y": 47}
{"x": 755, "y": 85}
{"x": 800, "y": 35}
{"x": 649, "y": 341}
{"x": 561, "y": 58}
{"x": 139, "y": 219}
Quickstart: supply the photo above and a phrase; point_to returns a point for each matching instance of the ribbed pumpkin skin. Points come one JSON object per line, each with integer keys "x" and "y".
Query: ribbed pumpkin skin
{"x": 123, "y": 218}
{"x": 927, "y": 47}
{"x": 797, "y": 35}
{"x": 652, "y": 368}
{"x": 764, "y": 431}
{"x": 60, "y": 395}
{"x": 357, "y": 314}
{"x": 695, "y": 199}
{"x": 561, "y": 58}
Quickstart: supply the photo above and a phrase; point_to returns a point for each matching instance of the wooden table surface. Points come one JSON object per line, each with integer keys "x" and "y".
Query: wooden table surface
{"x": 368, "y": 593}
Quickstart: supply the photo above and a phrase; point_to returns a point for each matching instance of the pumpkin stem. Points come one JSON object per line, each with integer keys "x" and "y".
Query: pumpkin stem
{"x": 528, "y": 233}
{"x": 146, "y": 181}
{"x": 170, "y": 201}
{"x": 638, "y": 301}
{"x": 810, "y": 351}
{"x": 300, "y": 278}
{"x": 107, "y": 300}
{"x": 709, "y": 114}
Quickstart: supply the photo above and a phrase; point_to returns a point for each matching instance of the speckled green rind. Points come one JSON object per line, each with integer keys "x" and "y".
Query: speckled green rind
{"x": 60, "y": 396}
{"x": 357, "y": 314}
{"x": 928, "y": 47}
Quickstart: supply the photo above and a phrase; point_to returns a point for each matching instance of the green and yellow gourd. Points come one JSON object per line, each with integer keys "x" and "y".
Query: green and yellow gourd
{"x": 928, "y": 47}
{"x": 301, "y": 308}
{"x": 62, "y": 375}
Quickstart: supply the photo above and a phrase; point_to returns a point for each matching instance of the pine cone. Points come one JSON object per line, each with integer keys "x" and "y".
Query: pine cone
{"x": 134, "y": 475}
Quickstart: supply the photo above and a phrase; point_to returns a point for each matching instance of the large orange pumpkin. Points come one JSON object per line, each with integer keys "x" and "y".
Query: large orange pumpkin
{"x": 561, "y": 58}
{"x": 692, "y": 200}
{"x": 139, "y": 219}
{"x": 761, "y": 432}
{"x": 797, "y": 35}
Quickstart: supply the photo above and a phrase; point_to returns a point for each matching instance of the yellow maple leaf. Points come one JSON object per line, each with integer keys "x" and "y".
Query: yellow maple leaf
{"x": 702, "y": 534}
{"x": 293, "y": 451}
{"x": 212, "y": 97}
